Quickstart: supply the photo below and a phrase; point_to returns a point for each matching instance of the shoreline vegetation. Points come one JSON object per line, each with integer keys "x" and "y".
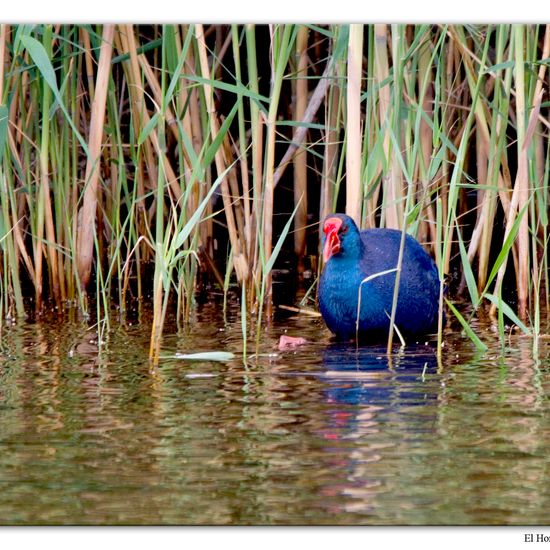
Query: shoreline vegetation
{"x": 136, "y": 158}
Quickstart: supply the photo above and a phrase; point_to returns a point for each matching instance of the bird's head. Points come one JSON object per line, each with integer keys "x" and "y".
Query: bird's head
{"x": 340, "y": 237}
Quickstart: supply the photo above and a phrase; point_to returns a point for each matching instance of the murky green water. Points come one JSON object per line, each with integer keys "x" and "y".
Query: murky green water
{"x": 325, "y": 434}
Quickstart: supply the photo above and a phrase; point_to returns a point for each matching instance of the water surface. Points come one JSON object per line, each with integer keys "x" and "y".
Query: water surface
{"x": 325, "y": 434}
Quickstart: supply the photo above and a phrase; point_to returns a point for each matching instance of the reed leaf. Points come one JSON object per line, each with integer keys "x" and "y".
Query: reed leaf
{"x": 467, "y": 329}
{"x": 42, "y": 61}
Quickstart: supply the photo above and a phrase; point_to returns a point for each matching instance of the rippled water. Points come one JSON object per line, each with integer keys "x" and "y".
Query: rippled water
{"x": 325, "y": 434}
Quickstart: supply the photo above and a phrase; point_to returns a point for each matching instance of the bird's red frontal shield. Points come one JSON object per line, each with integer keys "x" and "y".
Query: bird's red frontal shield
{"x": 332, "y": 241}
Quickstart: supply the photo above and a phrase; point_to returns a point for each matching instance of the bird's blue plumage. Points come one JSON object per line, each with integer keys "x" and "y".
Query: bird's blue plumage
{"x": 362, "y": 254}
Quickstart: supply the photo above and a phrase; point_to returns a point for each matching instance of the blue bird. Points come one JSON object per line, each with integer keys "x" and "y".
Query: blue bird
{"x": 351, "y": 256}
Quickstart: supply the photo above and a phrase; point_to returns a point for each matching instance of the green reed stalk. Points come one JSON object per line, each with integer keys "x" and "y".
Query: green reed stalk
{"x": 373, "y": 136}
{"x": 282, "y": 40}
{"x": 44, "y": 188}
{"x": 257, "y": 146}
{"x": 243, "y": 149}
{"x": 522, "y": 179}
{"x": 393, "y": 191}
{"x": 161, "y": 275}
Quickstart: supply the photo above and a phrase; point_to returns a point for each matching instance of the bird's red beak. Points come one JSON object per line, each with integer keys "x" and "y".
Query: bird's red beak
{"x": 332, "y": 241}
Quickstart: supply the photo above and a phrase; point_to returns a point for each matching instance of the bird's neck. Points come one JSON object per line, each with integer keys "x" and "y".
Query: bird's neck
{"x": 346, "y": 263}
{"x": 353, "y": 251}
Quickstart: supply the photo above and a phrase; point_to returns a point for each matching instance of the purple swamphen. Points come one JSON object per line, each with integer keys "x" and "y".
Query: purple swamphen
{"x": 351, "y": 256}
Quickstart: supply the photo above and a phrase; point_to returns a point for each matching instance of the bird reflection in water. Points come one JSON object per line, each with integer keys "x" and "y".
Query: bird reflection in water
{"x": 379, "y": 409}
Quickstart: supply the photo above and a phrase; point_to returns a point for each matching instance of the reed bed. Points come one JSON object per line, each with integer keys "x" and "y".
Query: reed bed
{"x": 136, "y": 161}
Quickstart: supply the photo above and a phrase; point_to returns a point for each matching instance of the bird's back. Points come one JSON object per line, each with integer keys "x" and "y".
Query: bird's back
{"x": 382, "y": 252}
{"x": 419, "y": 279}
